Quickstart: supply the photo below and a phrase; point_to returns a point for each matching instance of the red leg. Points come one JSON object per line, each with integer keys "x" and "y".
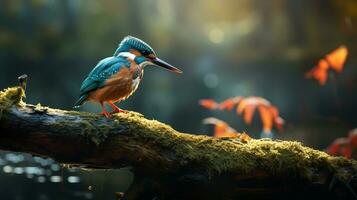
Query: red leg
{"x": 116, "y": 109}
{"x": 104, "y": 111}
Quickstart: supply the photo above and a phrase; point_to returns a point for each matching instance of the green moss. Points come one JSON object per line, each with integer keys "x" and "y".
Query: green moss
{"x": 9, "y": 97}
{"x": 216, "y": 155}
{"x": 276, "y": 157}
{"x": 97, "y": 134}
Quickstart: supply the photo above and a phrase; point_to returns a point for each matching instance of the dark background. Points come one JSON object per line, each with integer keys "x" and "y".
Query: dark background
{"x": 225, "y": 48}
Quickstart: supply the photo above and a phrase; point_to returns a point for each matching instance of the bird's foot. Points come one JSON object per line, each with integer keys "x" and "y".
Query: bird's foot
{"x": 118, "y": 110}
{"x": 106, "y": 114}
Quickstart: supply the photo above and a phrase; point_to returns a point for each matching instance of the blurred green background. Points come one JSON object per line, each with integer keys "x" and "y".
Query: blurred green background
{"x": 225, "y": 48}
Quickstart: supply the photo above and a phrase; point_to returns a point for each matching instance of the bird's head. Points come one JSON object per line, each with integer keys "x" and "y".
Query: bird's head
{"x": 142, "y": 52}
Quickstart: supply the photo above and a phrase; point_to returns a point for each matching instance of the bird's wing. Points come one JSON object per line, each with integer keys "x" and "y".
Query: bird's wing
{"x": 101, "y": 72}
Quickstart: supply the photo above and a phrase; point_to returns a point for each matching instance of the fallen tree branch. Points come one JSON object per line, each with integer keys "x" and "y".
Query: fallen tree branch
{"x": 171, "y": 165}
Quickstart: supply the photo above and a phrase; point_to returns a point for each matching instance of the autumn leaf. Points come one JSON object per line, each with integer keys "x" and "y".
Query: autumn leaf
{"x": 209, "y": 104}
{"x": 267, "y": 118}
{"x": 229, "y": 104}
{"x": 319, "y": 72}
{"x": 337, "y": 58}
{"x": 269, "y": 114}
{"x": 244, "y": 137}
{"x": 344, "y": 146}
{"x": 334, "y": 61}
{"x": 247, "y": 106}
{"x": 336, "y": 145}
{"x": 278, "y": 121}
{"x": 223, "y": 130}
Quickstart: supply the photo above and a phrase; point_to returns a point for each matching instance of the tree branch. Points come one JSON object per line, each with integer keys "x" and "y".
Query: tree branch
{"x": 171, "y": 165}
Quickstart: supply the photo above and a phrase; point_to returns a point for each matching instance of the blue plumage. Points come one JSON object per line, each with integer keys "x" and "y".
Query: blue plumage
{"x": 116, "y": 78}
{"x": 130, "y": 42}
{"x": 100, "y": 73}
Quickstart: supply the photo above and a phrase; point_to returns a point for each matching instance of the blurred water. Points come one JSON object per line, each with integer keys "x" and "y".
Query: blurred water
{"x": 44, "y": 178}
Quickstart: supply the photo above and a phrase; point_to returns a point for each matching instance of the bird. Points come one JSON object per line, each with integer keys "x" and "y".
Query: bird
{"x": 116, "y": 78}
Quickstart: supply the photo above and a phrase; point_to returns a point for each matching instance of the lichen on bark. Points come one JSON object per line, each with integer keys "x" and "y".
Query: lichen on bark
{"x": 9, "y": 97}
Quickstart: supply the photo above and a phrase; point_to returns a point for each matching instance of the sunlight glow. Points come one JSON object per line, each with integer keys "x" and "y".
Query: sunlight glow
{"x": 216, "y": 36}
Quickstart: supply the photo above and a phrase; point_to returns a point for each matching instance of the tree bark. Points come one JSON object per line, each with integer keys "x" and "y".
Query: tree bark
{"x": 168, "y": 164}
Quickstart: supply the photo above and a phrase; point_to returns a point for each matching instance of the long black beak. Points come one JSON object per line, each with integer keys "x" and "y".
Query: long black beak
{"x": 161, "y": 63}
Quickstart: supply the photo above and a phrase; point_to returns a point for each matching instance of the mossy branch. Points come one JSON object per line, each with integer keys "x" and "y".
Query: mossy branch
{"x": 164, "y": 158}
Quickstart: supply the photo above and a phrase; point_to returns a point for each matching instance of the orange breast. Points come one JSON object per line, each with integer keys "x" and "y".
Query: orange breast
{"x": 117, "y": 88}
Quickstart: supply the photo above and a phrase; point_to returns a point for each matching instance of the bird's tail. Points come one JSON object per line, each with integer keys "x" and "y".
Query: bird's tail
{"x": 81, "y": 100}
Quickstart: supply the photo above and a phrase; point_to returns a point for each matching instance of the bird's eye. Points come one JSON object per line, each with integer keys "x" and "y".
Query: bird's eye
{"x": 151, "y": 56}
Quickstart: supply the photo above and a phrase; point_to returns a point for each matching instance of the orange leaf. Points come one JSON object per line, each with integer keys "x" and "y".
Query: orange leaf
{"x": 323, "y": 65}
{"x": 221, "y": 128}
{"x": 251, "y": 101}
{"x": 244, "y": 137}
{"x": 334, "y": 60}
{"x": 337, "y": 58}
{"x": 208, "y": 103}
{"x": 269, "y": 114}
{"x": 241, "y": 106}
{"x": 274, "y": 111}
{"x": 279, "y": 122}
{"x": 319, "y": 72}
{"x": 336, "y": 147}
{"x": 229, "y": 103}
{"x": 249, "y": 113}
{"x": 266, "y": 117}
{"x": 346, "y": 151}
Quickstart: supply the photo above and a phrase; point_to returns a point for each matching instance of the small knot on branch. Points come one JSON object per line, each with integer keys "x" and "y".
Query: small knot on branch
{"x": 22, "y": 81}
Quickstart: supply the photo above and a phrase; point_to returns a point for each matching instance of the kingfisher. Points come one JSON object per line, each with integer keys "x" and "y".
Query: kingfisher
{"x": 116, "y": 78}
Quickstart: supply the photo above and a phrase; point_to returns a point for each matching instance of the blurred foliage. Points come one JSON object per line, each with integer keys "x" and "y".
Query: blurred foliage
{"x": 225, "y": 48}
